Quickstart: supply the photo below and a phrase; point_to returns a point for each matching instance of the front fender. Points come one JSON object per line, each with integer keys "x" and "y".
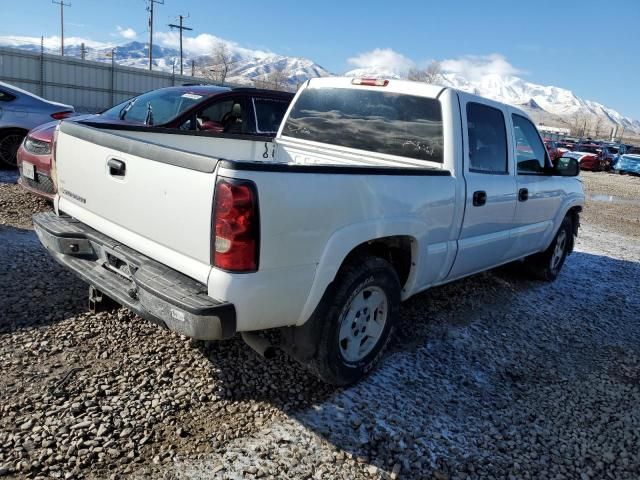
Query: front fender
{"x": 345, "y": 240}
{"x": 575, "y": 199}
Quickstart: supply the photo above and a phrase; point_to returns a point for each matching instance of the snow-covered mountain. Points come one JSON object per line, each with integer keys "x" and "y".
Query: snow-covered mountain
{"x": 546, "y": 104}
{"x": 246, "y": 67}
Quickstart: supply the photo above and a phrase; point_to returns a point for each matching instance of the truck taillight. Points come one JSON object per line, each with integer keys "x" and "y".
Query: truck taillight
{"x": 236, "y": 230}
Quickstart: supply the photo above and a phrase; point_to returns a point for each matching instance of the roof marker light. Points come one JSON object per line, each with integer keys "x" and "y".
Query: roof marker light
{"x": 370, "y": 82}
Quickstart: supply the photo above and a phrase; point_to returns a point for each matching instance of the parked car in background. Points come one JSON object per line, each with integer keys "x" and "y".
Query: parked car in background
{"x": 564, "y": 146}
{"x": 608, "y": 154}
{"x": 553, "y": 149}
{"x": 195, "y": 109}
{"x": 591, "y": 156}
{"x": 628, "y": 162}
{"x": 587, "y": 161}
{"x": 20, "y": 111}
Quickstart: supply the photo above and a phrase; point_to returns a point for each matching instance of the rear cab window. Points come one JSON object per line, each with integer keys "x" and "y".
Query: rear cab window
{"x": 487, "y": 139}
{"x": 387, "y": 123}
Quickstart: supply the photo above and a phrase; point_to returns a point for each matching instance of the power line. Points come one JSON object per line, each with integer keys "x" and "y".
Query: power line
{"x": 62, "y": 5}
{"x": 150, "y": 9}
{"x": 180, "y": 28}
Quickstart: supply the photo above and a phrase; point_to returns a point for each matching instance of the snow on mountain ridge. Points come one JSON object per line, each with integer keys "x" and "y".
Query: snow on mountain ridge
{"x": 545, "y": 103}
{"x": 559, "y": 104}
{"x": 247, "y": 66}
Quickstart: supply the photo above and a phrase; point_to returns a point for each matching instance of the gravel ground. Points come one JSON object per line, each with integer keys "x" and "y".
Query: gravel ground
{"x": 495, "y": 376}
{"x": 16, "y": 204}
{"x": 613, "y": 202}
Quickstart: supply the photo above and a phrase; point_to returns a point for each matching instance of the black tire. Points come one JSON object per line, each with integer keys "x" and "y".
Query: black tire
{"x": 546, "y": 265}
{"x": 10, "y": 141}
{"x": 317, "y": 345}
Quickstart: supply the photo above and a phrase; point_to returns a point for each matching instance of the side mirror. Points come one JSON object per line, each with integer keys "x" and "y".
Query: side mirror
{"x": 566, "y": 167}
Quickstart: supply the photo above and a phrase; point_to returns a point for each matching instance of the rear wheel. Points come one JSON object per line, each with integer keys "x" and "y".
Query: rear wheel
{"x": 353, "y": 323}
{"x": 547, "y": 265}
{"x": 10, "y": 141}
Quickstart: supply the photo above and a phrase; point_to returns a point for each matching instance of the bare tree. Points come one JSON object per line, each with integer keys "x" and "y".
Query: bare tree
{"x": 577, "y": 124}
{"x": 275, "y": 80}
{"x": 431, "y": 74}
{"x": 597, "y": 125}
{"x": 222, "y": 60}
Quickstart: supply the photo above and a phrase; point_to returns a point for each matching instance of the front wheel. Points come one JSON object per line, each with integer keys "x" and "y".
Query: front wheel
{"x": 547, "y": 265}
{"x": 353, "y": 323}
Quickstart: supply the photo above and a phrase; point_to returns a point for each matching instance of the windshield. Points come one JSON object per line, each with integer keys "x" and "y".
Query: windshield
{"x": 154, "y": 108}
{"x": 634, "y": 151}
{"x": 383, "y": 122}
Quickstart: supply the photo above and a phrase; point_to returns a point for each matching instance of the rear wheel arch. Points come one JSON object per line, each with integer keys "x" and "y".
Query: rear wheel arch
{"x": 8, "y": 130}
{"x": 7, "y": 153}
{"x": 397, "y": 241}
{"x": 398, "y": 250}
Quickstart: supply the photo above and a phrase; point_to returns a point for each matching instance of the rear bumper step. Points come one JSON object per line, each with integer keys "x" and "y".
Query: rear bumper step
{"x": 148, "y": 288}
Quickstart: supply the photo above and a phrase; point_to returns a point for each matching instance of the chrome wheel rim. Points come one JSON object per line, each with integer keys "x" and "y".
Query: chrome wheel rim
{"x": 558, "y": 251}
{"x": 9, "y": 147}
{"x": 363, "y": 323}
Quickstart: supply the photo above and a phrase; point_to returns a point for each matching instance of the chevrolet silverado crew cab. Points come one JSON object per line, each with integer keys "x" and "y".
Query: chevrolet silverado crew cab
{"x": 377, "y": 190}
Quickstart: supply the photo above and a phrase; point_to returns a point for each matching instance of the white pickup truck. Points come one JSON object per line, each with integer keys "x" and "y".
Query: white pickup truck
{"x": 378, "y": 190}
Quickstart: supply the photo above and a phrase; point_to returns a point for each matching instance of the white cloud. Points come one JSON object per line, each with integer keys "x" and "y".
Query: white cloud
{"x": 204, "y": 44}
{"x": 382, "y": 57}
{"x": 474, "y": 67}
{"x": 128, "y": 33}
{"x": 52, "y": 42}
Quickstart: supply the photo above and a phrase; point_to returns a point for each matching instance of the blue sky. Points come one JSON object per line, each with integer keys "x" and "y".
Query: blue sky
{"x": 589, "y": 46}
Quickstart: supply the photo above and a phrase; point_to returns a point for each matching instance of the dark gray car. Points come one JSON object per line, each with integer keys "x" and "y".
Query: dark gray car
{"x": 20, "y": 111}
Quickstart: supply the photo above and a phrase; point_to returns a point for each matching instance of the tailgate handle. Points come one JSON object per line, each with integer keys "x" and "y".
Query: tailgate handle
{"x": 117, "y": 168}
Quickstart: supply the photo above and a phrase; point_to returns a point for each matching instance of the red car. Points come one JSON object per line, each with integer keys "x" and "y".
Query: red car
{"x": 34, "y": 161}
{"x": 591, "y": 157}
{"x": 552, "y": 147}
{"x": 587, "y": 161}
{"x": 205, "y": 108}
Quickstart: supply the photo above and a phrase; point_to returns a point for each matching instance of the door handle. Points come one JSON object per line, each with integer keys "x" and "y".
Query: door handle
{"x": 479, "y": 198}
{"x": 523, "y": 194}
{"x": 117, "y": 168}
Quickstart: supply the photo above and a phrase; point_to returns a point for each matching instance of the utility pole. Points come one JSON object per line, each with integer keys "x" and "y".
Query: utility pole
{"x": 83, "y": 51}
{"x": 181, "y": 28}
{"x": 150, "y": 9}
{"x": 42, "y": 66}
{"x": 112, "y": 54}
{"x": 62, "y": 5}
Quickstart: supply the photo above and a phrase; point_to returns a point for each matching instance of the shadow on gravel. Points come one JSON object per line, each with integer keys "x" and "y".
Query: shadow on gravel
{"x": 34, "y": 289}
{"x": 8, "y": 175}
{"x": 245, "y": 375}
{"x": 478, "y": 366}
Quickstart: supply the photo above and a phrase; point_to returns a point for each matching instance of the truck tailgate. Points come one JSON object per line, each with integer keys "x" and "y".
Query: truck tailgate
{"x": 152, "y": 198}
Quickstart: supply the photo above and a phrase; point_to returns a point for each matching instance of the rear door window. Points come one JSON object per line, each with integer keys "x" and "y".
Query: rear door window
{"x": 531, "y": 154}
{"x": 487, "y": 139}
{"x": 269, "y": 113}
{"x": 383, "y": 122}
